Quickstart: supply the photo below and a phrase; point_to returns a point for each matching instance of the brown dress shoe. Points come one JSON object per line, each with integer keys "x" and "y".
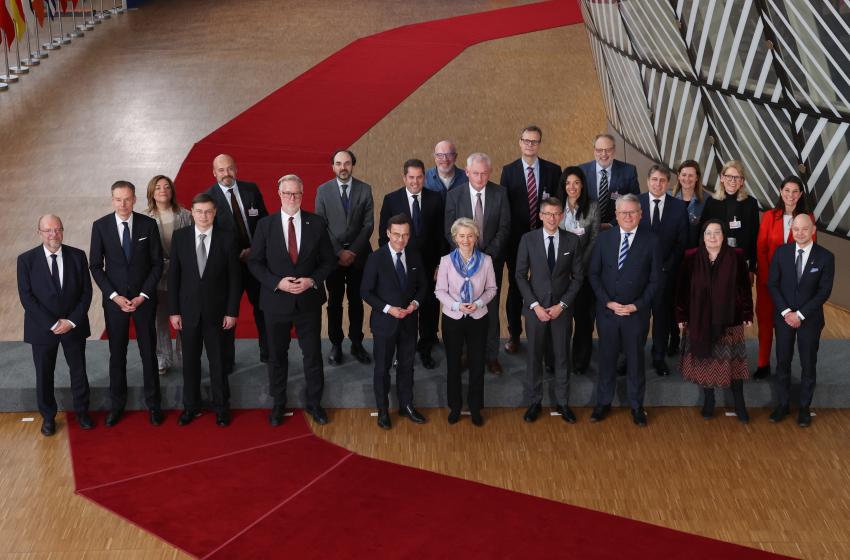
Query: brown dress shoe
{"x": 494, "y": 367}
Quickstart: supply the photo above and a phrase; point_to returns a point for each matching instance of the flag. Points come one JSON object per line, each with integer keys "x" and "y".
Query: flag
{"x": 17, "y": 12}
{"x": 37, "y": 7}
{"x": 6, "y": 24}
{"x": 53, "y": 8}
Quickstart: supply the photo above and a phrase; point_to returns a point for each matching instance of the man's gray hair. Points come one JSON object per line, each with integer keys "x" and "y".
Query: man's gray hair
{"x": 479, "y": 156}
{"x": 290, "y": 177}
{"x": 627, "y": 198}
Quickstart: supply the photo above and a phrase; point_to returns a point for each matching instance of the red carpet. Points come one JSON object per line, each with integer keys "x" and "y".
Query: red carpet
{"x": 252, "y": 491}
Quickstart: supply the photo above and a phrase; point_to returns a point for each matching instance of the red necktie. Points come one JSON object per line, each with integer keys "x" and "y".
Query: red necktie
{"x": 293, "y": 243}
{"x": 531, "y": 182}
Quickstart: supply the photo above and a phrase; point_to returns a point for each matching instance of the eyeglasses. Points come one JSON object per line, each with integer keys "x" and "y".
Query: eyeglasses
{"x": 627, "y": 213}
{"x": 529, "y": 142}
{"x": 292, "y": 195}
{"x": 448, "y": 155}
{"x": 54, "y": 231}
{"x": 604, "y": 150}
{"x": 551, "y": 214}
{"x": 733, "y": 178}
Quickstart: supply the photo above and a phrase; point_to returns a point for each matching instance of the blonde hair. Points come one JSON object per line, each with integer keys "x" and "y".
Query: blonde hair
{"x": 465, "y": 223}
{"x": 742, "y": 194}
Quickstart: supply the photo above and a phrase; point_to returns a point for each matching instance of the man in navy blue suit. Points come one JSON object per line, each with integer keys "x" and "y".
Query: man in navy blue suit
{"x": 394, "y": 283}
{"x": 624, "y": 269}
{"x": 126, "y": 264}
{"x": 608, "y": 178}
{"x": 667, "y": 218}
{"x": 55, "y": 291}
{"x": 800, "y": 281}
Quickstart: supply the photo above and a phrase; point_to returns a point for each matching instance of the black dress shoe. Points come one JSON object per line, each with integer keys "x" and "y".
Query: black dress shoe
{"x": 550, "y": 370}
{"x": 48, "y": 427}
{"x": 532, "y": 412}
{"x": 639, "y": 417}
{"x": 276, "y": 415}
{"x": 779, "y": 413}
{"x": 804, "y": 418}
{"x": 600, "y": 412}
{"x": 156, "y": 417}
{"x": 621, "y": 370}
{"x": 412, "y": 413}
{"x": 384, "y": 419}
{"x": 360, "y": 354}
{"x": 318, "y": 414}
{"x": 512, "y": 346}
{"x": 661, "y": 368}
{"x": 222, "y": 419}
{"x": 454, "y": 416}
{"x": 187, "y": 416}
{"x": 578, "y": 371}
{"x": 335, "y": 357}
{"x": 761, "y": 372}
{"x": 113, "y": 417}
{"x": 85, "y": 421}
{"x": 427, "y": 361}
{"x": 567, "y": 415}
{"x": 477, "y": 419}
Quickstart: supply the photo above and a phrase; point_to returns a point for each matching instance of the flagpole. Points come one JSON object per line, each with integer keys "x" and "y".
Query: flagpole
{"x": 103, "y": 14}
{"x": 53, "y": 43}
{"x": 116, "y": 9}
{"x": 76, "y": 30}
{"x": 21, "y": 68}
{"x": 62, "y": 40}
{"x": 8, "y": 77}
{"x": 90, "y": 22}
{"x": 35, "y": 55}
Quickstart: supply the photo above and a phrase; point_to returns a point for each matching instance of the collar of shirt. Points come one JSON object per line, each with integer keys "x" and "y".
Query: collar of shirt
{"x": 47, "y": 254}
{"x": 473, "y": 194}
{"x": 652, "y": 199}
{"x": 226, "y": 191}
{"x": 339, "y": 185}
{"x": 631, "y": 237}
{"x": 599, "y": 170}
{"x": 393, "y": 255}
{"x": 555, "y": 239}
{"x": 208, "y": 233}
{"x": 119, "y": 221}
{"x": 535, "y": 165}
{"x": 286, "y": 216}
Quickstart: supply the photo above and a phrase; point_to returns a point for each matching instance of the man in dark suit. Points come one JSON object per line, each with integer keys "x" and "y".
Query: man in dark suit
{"x": 426, "y": 212}
{"x": 529, "y": 181}
{"x": 55, "y": 291}
{"x": 204, "y": 289}
{"x": 345, "y": 203}
{"x": 667, "y": 218}
{"x": 624, "y": 273}
{"x": 608, "y": 178}
{"x": 292, "y": 257}
{"x": 549, "y": 273}
{"x": 126, "y": 263}
{"x": 445, "y": 175}
{"x": 487, "y": 205}
{"x": 800, "y": 282}
{"x": 394, "y": 283}
{"x": 239, "y": 208}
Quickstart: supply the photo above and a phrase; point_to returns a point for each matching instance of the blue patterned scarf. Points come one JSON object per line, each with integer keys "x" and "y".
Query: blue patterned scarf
{"x": 467, "y": 270}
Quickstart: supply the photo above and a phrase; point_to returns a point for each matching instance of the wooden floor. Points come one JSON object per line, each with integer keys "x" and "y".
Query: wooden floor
{"x": 128, "y": 101}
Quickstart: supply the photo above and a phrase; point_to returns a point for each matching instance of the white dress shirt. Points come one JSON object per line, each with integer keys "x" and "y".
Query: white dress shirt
{"x": 120, "y": 224}
{"x": 208, "y": 234}
{"x": 807, "y": 250}
{"x": 285, "y": 223}
{"x": 226, "y": 192}
{"x": 652, "y": 199}
{"x": 473, "y": 197}
{"x": 61, "y": 266}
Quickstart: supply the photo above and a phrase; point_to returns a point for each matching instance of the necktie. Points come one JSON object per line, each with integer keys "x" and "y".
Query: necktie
{"x": 531, "y": 183}
{"x": 125, "y": 241}
{"x": 202, "y": 254}
{"x": 54, "y": 273}
{"x": 799, "y": 264}
{"x": 604, "y": 198}
{"x": 656, "y": 214}
{"x": 241, "y": 230}
{"x": 417, "y": 216}
{"x": 346, "y": 202}
{"x": 399, "y": 270}
{"x": 292, "y": 242}
{"x": 624, "y": 250}
{"x": 550, "y": 253}
{"x": 478, "y": 217}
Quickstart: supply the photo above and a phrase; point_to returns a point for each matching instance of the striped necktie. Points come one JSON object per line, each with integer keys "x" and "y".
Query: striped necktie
{"x": 624, "y": 250}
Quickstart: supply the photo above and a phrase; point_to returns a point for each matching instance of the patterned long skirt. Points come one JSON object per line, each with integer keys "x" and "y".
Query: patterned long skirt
{"x": 728, "y": 360}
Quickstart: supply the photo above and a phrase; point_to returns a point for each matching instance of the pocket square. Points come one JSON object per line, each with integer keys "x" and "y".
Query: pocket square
{"x": 567, "y": 253}
{"x": 815, "y": 269}
{"x": 141, "y": 239}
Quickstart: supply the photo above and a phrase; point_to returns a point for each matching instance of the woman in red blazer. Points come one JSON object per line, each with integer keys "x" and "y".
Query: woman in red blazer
{"x": 775, "y": 230}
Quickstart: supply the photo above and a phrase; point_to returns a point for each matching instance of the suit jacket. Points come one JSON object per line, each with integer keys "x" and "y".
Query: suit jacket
{"x": 497, "y": 218}
{"x": 771, "y": 236}
{"x": 637, "y": 281}
{"x": 269, "y": 263}
{"x": 590, "y": 223}
{"x": 622, "y": 179}
{"x": 672, "y": 231}
{"x": 433, "y": 182}
{"x": 109, "y": 266}
{"x": 217, "y": 293}
{"x": 350, "y": 232}
{"x": 809, "y": 294}
{"x": 430, "y": 245}
{"x": 450, "y": 284}
{"x": 745, "y": 211}
{"x": 536, "y": 282}
{"x": 44, "y": 305}
{"x": 252, "y": 202}
{"x": 381, "y": 286}
{"x": 513, "y": 179}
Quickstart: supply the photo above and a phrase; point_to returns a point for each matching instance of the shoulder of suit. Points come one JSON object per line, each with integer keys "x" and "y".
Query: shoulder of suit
{"x": 327, "y": 185}
{"x": 359, "y": 183}
{"x": 142, "y": 218}
{"x": 247, "y": 185}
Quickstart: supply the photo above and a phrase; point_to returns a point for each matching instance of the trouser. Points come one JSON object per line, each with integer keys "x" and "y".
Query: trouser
{"x": 44, "y": 359}
{"x": 309, "y": 326}
{"x": 345, "y": 278}
{"x": 472, "y": 333}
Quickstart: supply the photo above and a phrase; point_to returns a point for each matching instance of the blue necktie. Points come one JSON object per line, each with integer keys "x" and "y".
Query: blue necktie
{"x": 624, "y": 250}
{"x": 346, "y": 202}
{"x": 54, "y": 273}
{"x": 550, "y": 254}
{"x": 399, "y": 270}
{"x": 417, "y": 216}
{"x": 125, "y": 241}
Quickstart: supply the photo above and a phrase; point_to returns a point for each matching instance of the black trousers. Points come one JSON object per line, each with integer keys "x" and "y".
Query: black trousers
{"x": 662, "y": 311}
{"x": 429, "y": 316}
{"x": 228, "y": 340}
{"x": 808, "y": 342}
{"x": 342, "y": 279}
{"x": 195, "y": 339}
{"x": 308, "y": 325}
{"x": 473, "y": 334}
{"x": 403, "y": 344}
{"x": 118, "y": 330}
{"x": 513, "y": 303}
{"x": 584, "y": 313}
{"x": 44, "y": 359}
{"x": 616, "y": 334}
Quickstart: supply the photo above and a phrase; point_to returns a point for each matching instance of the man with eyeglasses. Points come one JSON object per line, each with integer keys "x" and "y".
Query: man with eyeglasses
{"x": 608, "y": 178}
{"x": 445, "y": 175}
{"x": 239, "y": 208}
{"x": 346, "y": 205}
{"x": 292, "y": 257}
{"x": 55, "y": 291}
{"x": 529, "y": 180}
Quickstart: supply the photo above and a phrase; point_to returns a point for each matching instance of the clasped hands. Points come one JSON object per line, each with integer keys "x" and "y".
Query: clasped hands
{"x": 545, "y": 314}
{"x": 129, "y": 305}
{"x": 293, "y": 285}
{"x": 401, "y": 312}
{"x": 623, "y": 310}
{"x": 177, "y": 322}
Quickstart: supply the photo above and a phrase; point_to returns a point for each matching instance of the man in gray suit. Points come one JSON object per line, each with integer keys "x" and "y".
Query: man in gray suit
{"x": 487, "y": 205}
{"x": 549, "y": 274}
{"x": 346, "y": 205}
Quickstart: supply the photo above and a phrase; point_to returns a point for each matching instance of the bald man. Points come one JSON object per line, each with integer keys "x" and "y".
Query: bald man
{"x": 55, "y": 291}
{"x": 239, "y": 207}
{"x": 445, "y": 175}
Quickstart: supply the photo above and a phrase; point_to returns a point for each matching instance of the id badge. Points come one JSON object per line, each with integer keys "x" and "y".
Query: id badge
{"x": 735, "y": 224}
{"x": 578, "y": 231}
{"x": 253, "y": 212}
